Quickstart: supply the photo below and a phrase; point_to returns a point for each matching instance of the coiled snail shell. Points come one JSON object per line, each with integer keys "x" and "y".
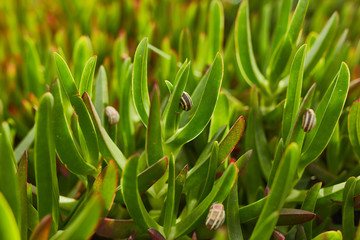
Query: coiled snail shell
{"x": 216, "y": 216}
{"x": 185, "y": 101}
{"x": 309, "y": 120}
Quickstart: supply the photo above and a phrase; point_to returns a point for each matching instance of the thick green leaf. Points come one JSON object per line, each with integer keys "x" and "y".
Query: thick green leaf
{"x": 218, "y": 194}
{"x": 205, "y": 108}
{"x": 82, "y": 52}
{"x": 106, "y": 183}
{"x": 327, "y": 114}
{"x": 171, "y": 112}
{"x": 309, "y": 205}
{"x": 8, "y": 227}
{"x": 101, "y": 93}
{"x": 42, "y": 230}
{"x": 283, "y": 182}
{"x": 329, "y": 235}
{"x": 278, "y": 154}
{"x": 33, "y": 73}
{"x": 265, "y": 230}
{"x": 139, "y": 81}
{"x": 66, "y": 147}
{"x": 221, "y": 115}
{"x": 65, "y": 76}
{"x": 8, "y": 182}
{"x": 348, "y": 224}
{"x": 321, "y": 44}
{"x": 45, "y": 162}
{"x": 354, "y": 126}
{"x": 229, "y": 142}
{"x": 185, "y": 45}
{"x": 24, "y": 144}
{"x": 108, "y": 148}
{"x": 115, "y": 228}
{"x": 215, "y": 28}
{"x": 170, "y": 199}
{"x": 87, "y": 76}
{"x": 132, "y": 198}
{"x": 232, "y": 214}
{"x": 22, "y": 180}
{"x": 154, "y": 143}
{"x": 211, "y": 172}
{"x": 84, "y": 225}
{"x": 300, "y": 233}
{"x": 293, "y": 94}
{"x": 282, "y": 53}
{"x": 244, "y": 50}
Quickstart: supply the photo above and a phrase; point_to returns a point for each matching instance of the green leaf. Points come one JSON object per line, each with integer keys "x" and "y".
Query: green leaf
{"x": 278, "y": 154}
{"x": 84, "y": 225}
{"x": 139, "y": 81}
{"x": 293, "y": 94}
{"x": 232, "y": 214}
{"x": 87, "y": 76}
{"x": 65, "y": 76}
{"x": 132, "y": 198}
{"x": 8, "y": 182}
{"x": 24, "y": 144}
{"x": 327, "y": 114}
{"x": 8, "y": 227}
{"x": 185, "y": 45}
{"x": 218, "y": 194}
{"x": 66, "y": 147}
{"x": 215, "y": 28}
{"x": 244, "y": 50}
{"x": 282, "y": 53}
{"x": 329, "y": 235}
{"x": 115, "y": 228}
{"x": 101, "y": 93}
{"x": 170, "y": 199}
{"x": 221, "y": 115}
{"x": 154, "y": 143}
{"x": 106, "y": 183}
{"x": 309, "y": 205}
{"x": 22, "y": 180}
{"x": 321, "y": 44}
{"x": 42, "y": 230}
{"x": 252, "y": 211}
{"x": 108, "y": 148}
{"x": 45, "y": 162}
{"x": 348, "y": 224}
{"x": 211, "y": 171}
{"x": 33, "y": 74}
{"x": 279, "y": 190}
{"x": 82, "y": 52}
{"x": 266, "y": 228}
{"x": 171, "y": 112}
{"x": 354, "y": 126}
{"x": 205, "y": 108}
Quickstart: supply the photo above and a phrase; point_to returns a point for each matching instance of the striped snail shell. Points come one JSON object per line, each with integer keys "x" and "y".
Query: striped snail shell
{"x": 216, "y": 216}
{"x": 309, "y": 120}
{"x": 185, "y": 101}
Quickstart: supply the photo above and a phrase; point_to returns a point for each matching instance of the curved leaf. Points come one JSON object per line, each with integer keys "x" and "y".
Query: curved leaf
{"x": 65, "y": 76}
{"x": 215, "y": 28}
{"x": 115, "y": 228}
{"x": 45, "y": 162}
{"x": 329, "y": 235}
{"x": 354, "y": 126}
{"x": 139, "y": 81}
{"x": 101, "y": 93}
{"x": 205, "y": 108}
{"x": 87, "y": 76}
{"x": 42, "y": 230}
{"x": 82, "y": 52}
{"x": 244, "y": 50}
{"x": 232, "y": 214}
{"x": 24, "y": 144}
{"x": 8, "y": 227}
{"x": 348, "y": 224}
{"x": 327, "y": 114}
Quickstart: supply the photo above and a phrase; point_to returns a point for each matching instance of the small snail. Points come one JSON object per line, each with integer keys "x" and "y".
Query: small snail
{"x": 185, "y": 101}
{"x": 112, "y": 115}
{"x": 309, "y": 120}
{"x": 216, "y": 216}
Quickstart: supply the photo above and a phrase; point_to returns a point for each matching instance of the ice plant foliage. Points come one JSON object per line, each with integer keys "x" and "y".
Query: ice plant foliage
{"x": 179, "y": 120}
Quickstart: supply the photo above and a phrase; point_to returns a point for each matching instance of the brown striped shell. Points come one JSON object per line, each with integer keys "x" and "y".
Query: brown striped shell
{"x": 216, "y": 216}
{"x": 112, "y": 115}
{"x": 309, "y": 120}
{"x": 185, "y": 101}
